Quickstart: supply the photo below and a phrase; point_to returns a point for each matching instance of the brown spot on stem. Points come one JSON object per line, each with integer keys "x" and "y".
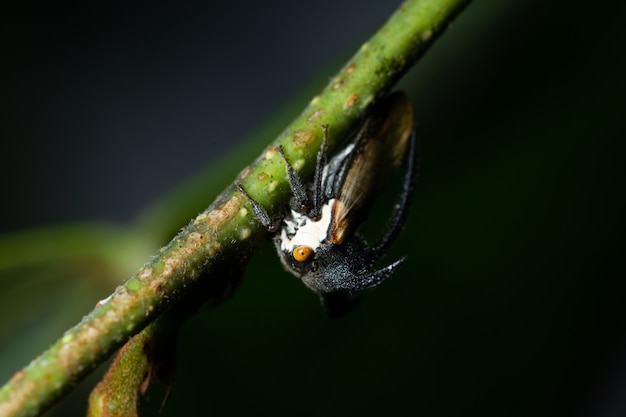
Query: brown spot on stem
{"x": 339, "y": 83}
{"x": 244, "y": 174}
{"x": 315, "y": 115}
{"x": 351, "y": 101}
{"x": 302, "y": 138}
{"x": 270, "y": 152}
{"x": 145, "y": 273}
{"x": 195, "y": 239}
{"x": 170, "y": 265}
{"x": 217, "y": 217}
{"x": 17, "y": 376}
{"x": 155, "y": 285}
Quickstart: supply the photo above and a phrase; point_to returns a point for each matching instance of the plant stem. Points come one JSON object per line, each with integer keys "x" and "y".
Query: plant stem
{"x": 223, "y": 237}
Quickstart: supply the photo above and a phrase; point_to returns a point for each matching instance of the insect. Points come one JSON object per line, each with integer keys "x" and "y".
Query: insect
{"x": 317, "y": 240}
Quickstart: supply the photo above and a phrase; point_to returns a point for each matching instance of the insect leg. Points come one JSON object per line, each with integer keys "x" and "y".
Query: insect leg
{"x": 298, "y": 190}
{"x": 318, "y": 193}
{"x": 259, "y": 211}
{"x": 401, "y": 209}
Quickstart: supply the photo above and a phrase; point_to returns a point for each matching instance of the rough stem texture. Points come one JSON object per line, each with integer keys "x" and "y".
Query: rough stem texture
{"x": 222, "y": 238}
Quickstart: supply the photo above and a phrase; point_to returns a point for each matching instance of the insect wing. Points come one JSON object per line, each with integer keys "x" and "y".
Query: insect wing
{"x": 379, "y": 149}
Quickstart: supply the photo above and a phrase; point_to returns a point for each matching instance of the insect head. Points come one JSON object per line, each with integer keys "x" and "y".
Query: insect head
{"x": 317, "y": 239}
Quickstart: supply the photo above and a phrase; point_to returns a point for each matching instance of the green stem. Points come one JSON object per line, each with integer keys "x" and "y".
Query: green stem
{"x": 222, "y": 238}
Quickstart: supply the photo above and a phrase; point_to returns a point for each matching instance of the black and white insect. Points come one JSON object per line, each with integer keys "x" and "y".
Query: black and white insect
{"x": 317, "y": 239}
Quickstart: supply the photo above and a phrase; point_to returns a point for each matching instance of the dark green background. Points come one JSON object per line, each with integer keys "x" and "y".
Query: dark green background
{"x": 510, "y": 302}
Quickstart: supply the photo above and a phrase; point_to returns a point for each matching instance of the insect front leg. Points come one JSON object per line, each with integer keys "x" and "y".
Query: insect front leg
{"x": 259, "y": 211}
{"x": 300, "y": 202}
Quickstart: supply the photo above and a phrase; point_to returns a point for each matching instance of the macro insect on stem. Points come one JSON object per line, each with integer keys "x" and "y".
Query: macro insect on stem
{"x": 317, "y": 239}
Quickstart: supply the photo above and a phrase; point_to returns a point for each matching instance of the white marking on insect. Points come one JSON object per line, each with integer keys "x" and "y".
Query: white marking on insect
{"x": 305, "y": 231}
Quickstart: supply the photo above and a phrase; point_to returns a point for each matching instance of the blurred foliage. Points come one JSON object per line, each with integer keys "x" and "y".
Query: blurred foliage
{"x": 511, "y": 299}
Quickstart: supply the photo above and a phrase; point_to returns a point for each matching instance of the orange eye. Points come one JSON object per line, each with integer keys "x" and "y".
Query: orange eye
{"x": 302, "y": 253}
